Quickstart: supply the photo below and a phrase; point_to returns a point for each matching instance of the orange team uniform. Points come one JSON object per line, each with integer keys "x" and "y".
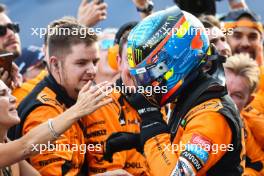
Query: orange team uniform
{"x": 254, "y": 112}
{"x": 254, "y": 154}
{"x": 100, "y": 125}
{"x": 203, "y": 136}
{"x": 21, "y": 92}
{"x": 202, "y": 126}
{"x": 47, "y": 100}
{"x": 118, "y": 116}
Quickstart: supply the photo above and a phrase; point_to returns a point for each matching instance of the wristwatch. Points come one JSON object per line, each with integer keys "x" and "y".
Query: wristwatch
{"x": 148, "y": 7}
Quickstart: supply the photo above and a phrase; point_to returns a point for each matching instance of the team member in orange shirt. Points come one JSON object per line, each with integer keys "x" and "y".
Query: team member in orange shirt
{"x": 242, "y": 76}
{"x": 247, "y": 37}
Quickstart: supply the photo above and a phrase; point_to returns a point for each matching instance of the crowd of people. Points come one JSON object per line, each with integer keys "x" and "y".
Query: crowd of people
{"x": 179, "y": 92}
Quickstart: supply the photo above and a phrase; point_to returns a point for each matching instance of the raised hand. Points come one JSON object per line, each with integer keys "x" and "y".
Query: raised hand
{"x": 90, "y": 13}
{"x": 91, "y": 98}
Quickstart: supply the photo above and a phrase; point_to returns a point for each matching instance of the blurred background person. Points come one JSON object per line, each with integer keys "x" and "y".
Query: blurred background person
{"x": 30, "y": 62}
{"x": 216, "y": 35}
{"x": 247, "y": 33}
{"x": 247, "y": 38}
{"x": 104, "y": 71}
{"x": 242, "y": 77}
{"x": 9, "y": 42}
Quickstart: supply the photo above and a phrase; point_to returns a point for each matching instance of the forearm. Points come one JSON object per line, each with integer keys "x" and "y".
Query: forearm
{"x": 26, "y": 169}
{"x": 42, "y": 133}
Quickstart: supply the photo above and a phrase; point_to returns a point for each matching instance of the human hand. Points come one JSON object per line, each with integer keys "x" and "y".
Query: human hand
{"x": 16, "y": 77}
{"x": 140, "y": 3}
{"x": 91, "y": 98}
{"x": 4, "y": 76}
{"x": 121, "y": 141}
{"x": 90, "y": 13}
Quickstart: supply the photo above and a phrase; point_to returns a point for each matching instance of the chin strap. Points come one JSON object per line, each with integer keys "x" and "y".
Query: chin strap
{"x": 217, "y": 68}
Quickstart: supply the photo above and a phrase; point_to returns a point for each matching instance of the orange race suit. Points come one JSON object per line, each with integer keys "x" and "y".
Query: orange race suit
{"x": 203, "y": 135}
{"x": 48, "y": 100}
{"x": 254, "y": 154}
{"x": 117, "y": 116}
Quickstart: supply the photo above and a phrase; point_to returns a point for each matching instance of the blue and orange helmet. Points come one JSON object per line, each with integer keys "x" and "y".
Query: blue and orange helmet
{"x": 165, "y": 49}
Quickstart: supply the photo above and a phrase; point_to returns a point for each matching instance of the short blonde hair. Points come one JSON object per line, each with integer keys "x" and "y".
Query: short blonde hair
{"x": 243, "y": 65}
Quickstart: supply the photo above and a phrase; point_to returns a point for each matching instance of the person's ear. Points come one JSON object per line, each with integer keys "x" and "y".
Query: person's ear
{"x": 54, "y": 63}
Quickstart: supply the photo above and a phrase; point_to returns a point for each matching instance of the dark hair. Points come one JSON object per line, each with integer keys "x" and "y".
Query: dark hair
{"x": 60, "y": 44}
{"x": 2, "y": 8}
{"x": 122, "y": 34}
{"x": 210, "y": 21}
{"x": 59, "y": 22}
{"x": 122, "y": 41}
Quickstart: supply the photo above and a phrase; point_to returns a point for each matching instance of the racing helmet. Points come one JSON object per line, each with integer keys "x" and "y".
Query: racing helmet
{"x": 165, "y": 50}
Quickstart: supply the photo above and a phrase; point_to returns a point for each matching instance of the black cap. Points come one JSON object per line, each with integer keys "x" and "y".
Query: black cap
{"x": 235, "y": 15}
{"x": 121, "y": 31}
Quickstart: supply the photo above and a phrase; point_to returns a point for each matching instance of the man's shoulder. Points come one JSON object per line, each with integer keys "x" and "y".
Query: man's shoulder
{"x": 212, "y": 105}
{"x": 40, "y": 95}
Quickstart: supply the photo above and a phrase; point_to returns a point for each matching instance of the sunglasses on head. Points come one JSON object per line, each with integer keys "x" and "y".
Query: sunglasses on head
{"x": 106, "y": 44}
{"x": 13, "y": 26}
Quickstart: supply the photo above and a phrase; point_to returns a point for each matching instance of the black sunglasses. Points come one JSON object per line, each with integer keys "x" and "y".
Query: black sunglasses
{"x": 13, "y": 26}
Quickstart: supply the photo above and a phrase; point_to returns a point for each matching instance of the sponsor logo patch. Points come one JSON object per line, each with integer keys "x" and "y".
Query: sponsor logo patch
{"x": 198, "y": 152}
{"x": 192, "y": 159}
{"x": 201, "y": 141}
{"x": 183, "y": 168}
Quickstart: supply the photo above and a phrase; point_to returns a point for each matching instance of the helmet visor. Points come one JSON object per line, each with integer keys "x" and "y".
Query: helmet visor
{"x": 144, "y": 76}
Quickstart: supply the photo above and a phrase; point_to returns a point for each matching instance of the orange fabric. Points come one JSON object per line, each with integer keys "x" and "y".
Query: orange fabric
{"x": 253, "y": 151}
{"x": 261, "y": 81}
{"x": 21, "y": 92}
{"x": 112, "y": 57}
{"x": 254, "y": 115}
{"x": 100, "y": 125}
{"x": 244, "y": 23}
{"x": 254, "y": 112}
{"x": 204, "y": 125}
{"x": 250, "y": 172}
{"x": 50, "y": 163}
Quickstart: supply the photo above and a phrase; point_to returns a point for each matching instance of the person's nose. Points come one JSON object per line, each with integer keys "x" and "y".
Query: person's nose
{"x": 245, "y": 42}
{"x": 223, "y": 48}
{"x": 91, "y": 69}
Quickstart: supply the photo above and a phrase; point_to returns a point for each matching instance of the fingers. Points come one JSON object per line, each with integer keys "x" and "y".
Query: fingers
{"x": 86, "y": 87}
{"x": 4, "y": 76}
{"x": 101, "y": 85}
{"x": 14, "y": 67}
{"x": 104, "y": 102}
{"x": 102, "y": 6}
{"x": 103, "y": 15}
{"x": 101, "y": 10}
{"x": 94, "y": 88}
{"x": 83, "y": 3}
{"x": 100, "y": 96}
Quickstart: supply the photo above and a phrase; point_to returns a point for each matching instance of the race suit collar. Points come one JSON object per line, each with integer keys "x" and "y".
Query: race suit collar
{"x": 61, "y": 93}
